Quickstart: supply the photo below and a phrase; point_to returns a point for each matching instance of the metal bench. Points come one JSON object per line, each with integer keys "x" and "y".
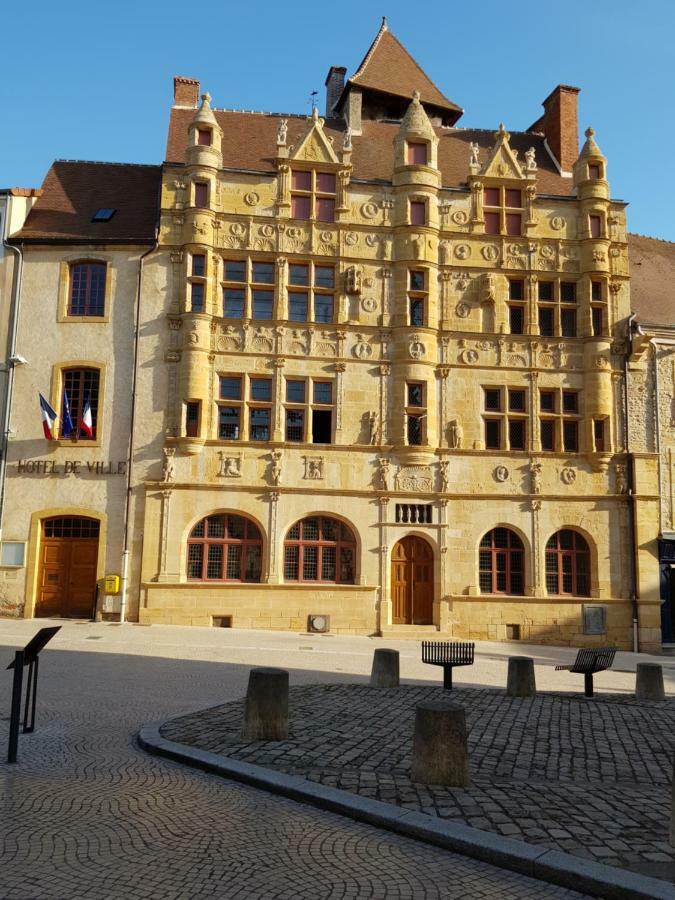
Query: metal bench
{"x": 588, "y": 662}
{"x": 447, "y": 654}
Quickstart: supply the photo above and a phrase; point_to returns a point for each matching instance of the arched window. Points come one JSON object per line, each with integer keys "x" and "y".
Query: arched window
{"x": 501, "y": 559}
{"x": 320, "y": 549}
{"x": 224, "y": 547}
{"x": 87, "y": 289}
{"x": 568, "y": 564}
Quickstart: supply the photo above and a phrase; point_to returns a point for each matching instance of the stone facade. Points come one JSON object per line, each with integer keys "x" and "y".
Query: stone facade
{"x": 315, "y": 342}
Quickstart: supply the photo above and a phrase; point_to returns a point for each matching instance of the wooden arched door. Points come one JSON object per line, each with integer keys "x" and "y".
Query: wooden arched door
{"x": 412, "y": 582}
{"x": 68, "y": 562}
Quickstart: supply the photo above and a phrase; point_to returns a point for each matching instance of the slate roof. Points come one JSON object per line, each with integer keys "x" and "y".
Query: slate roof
{"x": 249, "y": 142}
{"x": 389, "y": 68}
{"x": 72, "y": 192}
{"x": 652, "y": 279}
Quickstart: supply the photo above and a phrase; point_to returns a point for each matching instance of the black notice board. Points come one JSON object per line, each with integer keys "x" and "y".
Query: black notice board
{"x": 37, "y": 643}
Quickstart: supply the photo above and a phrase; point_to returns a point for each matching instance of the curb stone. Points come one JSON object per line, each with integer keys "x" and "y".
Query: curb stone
{"x": 548, "y": 865}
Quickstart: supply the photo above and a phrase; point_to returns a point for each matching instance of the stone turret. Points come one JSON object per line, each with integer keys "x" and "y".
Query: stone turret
{"x": 204, "y": 137}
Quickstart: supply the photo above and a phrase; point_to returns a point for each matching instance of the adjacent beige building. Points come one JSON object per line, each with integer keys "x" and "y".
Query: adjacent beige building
{"x": 372, "y": 372}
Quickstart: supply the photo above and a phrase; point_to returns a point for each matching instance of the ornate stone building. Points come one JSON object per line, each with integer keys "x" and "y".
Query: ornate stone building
{"x": 377, "y": 379}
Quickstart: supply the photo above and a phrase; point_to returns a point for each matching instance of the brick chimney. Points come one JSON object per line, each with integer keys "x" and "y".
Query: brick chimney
{"x": 335, "y": 82}
{"x": 185, "y": 91}
{"x": 559, "y": 125}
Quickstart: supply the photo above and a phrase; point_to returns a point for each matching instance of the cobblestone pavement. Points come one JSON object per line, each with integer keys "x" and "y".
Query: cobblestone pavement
{"x": 86, "y": 814}
{"x": 588, "y": 777}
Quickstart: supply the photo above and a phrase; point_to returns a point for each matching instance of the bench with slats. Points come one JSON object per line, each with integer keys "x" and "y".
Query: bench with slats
{"x": 447, "y": 654}
{"x": 588, "y": 662}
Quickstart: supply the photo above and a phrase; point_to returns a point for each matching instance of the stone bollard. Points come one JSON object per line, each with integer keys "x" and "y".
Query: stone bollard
{"x": 672, "y": 808}
{"x": 385, "y": 671}
{"x": 266, "y": 709}
{"x": 520, "y": 680}
{"x": 440, "y": 754}
{"x": 649, "y": 682}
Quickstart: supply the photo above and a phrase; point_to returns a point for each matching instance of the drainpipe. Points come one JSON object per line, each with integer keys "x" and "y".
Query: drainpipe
{"x": 11, "y": 352}
{"x": 134, "y": 375}
{"x": 632, "y": 527}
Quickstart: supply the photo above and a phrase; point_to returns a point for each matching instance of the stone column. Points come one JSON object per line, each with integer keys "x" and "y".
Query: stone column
{"x": 273, "y": 576}
{"x": 442, "y": 373}
{"x": 536, "y": 586}
{"x": 385, "y": 372}
{"x": 385, "y": 587}
{"x": 340, "y": 369}
{"x": 278, "y": 428}
{"x": 164, "y": 537}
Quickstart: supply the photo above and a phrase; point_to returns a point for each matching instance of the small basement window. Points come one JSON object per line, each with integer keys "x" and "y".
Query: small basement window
{"x": 104, "y": 214}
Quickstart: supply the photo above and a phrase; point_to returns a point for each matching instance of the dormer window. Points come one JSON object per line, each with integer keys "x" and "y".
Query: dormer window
{"x": 503, "y": 210}
{"x": 204, "y": 137}
{"x": 417, "y": 154}
{"x": 313, "y": 196}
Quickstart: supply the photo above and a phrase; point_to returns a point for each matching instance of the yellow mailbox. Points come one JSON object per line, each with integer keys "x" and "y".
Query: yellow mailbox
{"x": 111, "y": 584}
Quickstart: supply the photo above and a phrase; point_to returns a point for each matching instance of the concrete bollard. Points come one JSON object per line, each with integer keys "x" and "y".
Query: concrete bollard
{"x": 649, "y": 682}
{"x": 385, "y": 671}
{"x": 266, "y": 709}
{"x": 520, "y": 680}
{"x": 440, "y": 754}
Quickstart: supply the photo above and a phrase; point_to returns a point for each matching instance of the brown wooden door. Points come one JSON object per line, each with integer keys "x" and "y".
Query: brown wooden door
{"x": 67, "y": 576}
{"x": 412, "y": 582}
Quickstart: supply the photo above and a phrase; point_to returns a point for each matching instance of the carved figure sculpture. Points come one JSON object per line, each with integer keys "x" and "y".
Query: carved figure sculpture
{"x": 445, "y": 479}
{"x": 383, "y": 474}
{"x": 167, "y": 465}
{"x": 530, "y": 161}
{"x": 347, "y": 140}
{"x": 232, "y": 466}
{"x": 282, "y": 132}
{"x": 455, "y": 435}
{"x": 374, "y": 426}
{"x": 276, "y": 467}
{"x": 475, "y": 149}
{"x": 621, "y": 479}
{"x": 535, "y": 475}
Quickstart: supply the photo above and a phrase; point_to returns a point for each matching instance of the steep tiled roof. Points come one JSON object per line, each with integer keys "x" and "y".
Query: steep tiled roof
{"x": 249, "y": 142}
{"x": 652, "y": 279}
{"x": 389, "y": 68}
{"x": 73, "y": 191}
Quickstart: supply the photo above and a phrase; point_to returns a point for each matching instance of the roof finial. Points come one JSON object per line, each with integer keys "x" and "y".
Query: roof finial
{"x": 384, "y": 26}
{"x": 589, "y": 132}
{"x": 416, "y": 95}
{"x": 206, "y": 101}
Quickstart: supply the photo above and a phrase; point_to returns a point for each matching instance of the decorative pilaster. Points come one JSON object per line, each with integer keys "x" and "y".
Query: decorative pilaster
{"x": 277, "y": 431}
{"x": 441, "y": 615}
{"x": 273, "y": 577}
{"x": 535, "y": 432}
{"x": 385, "y": 618}
{"x": 442, "y": 373}
{"x": 537, "y": 588}
{"x": 177, "y": 281}
{"x": 281, "y": 301}
{"x": 385, "y": 372}
{"x": 340, "y": 369}
{"x": 163, "y": 575}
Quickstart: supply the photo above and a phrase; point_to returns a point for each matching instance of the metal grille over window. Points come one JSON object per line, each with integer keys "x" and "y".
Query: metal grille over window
{"x": 71, "y": 527}
{"x": 313, "y": 548}
{"x": 500, "y": 559}
{"x": 224, "y": 547}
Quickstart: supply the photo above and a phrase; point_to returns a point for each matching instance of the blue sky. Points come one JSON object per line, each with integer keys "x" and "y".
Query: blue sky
{"x": 94, "y": 80}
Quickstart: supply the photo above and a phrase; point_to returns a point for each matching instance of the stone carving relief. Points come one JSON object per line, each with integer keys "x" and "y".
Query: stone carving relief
{"x": 462, "y": 310}
{"x": 490, "y": 252}
{"x": 414, "y": 478}
{"x": 443, "y": 476}
{"x": 362, "y": 349}
{"x": 353, "y": 280}
{"x": 462, "y": 251}
{"x": 535, "y": 477}
{"x": 351, "y": 239}
{"x": 383, "y": 470}
{"x": 313, "y": 467}
{"x": 369, "y": 304}
{"x": 251, "y": 198}
{"x": 468, "y": 356}
{"x": 369, "y": 210}
{"x": 455, "y": 435}
{"x": 501, "y": 473}
{"x": 262, "y": 340}
{"x": 167, "y": 465}
{"x": 276, "y": 457}
{"x": 374, "y": 427}
{"x": 488, "y": 288}
{"x": 462, "y": 281}
{"x": 568, "y": 475}
{"x": 416, "y": 349}
{"x": 621, "y": 478}
{"x": 230, "y": 466}
{"x": 557, "y": 223}
{"x": 460, "y": 217}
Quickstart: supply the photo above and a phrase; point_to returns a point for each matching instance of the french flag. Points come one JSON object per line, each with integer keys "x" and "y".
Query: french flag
{"x": 86, "y": 423}
{"x": 48, "y": 419}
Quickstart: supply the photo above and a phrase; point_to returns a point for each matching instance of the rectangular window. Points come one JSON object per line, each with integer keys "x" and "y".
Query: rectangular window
{"x": 493, "y": 434}
{"x": 417, "y": 154}
{"x": 322, "y": 426}
{"x": 198, "y": 265}
{"x": 418, "y": 212}
{"x": 233, "y": 303}
{"x": 259, "y": 424}
{"x": 324, "y": 277}
{"x": 595, "y": 224}
{"x": 263, "y": 305}
{"x": 295, "y": 425}
{"x": 263, "y": 273}
{"x": 230, "y": 388}
{"x": 546, "y": 321}
{"x": 513, "y": 223}
{"x": 491, "y": 197}
{"x": 197, "y": 298}
{"x": 235, "y": 269}
{"x": 511, "y": 424}
{"x": 414, "y": 429}
{"x": 516, "y": 401}
{"x": 325, "y": 183}
{"x": 323, "y": 392}
{"x": 301, "y": 181}
{"x": 570, "y": 436}
{"x": 545, "y": 289}
{"x": 298, "y": 275}
{"x": 12, "y": 553}
{"x": 201, "y": 194}
{"x": 301, "y": 207}
{"x": 568, "y": 292}
{"x": 229, "y": 423}
{"x": 570, "y": 402}
{"x": 568, "y": 322}
{"x": 596, "y": 318}
{"x": 417, "y": 282}
{"x": 596, "y": 291}
{"x": 314, "y": 412}
{"x": 313, "y": 196}
{"x": 547, "y": 401}
{"x": 204, "y": 137}
{"x": 491, "y": 222}
{"x": 323, "y": 308}
{"x": 87, "y": 289}
{"x": 547, "y": 431}
{"x": 416, "y": 311}
{"x": 516, "y": 289}
{"x": 325, "y": 209}
{"x": 295, "y": 391}
{"x": 315, "y": 304}
{"x": 192, "y": 411}
{"x": 297, "y": 306}
{"x": 594, "y": 171}
{"x": 516, "y": 319}
{"x": 80, "y": 386}
{"x": 599, "y": 435}
{"x": 513, "y": 198}
{"x": 415, "y": 394}
{"x": 516, "y": 434}
{"x": 493, "y": 399}
{"x": 261, "y": 389}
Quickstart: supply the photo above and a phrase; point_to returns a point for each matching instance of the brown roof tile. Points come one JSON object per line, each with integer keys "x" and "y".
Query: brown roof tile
{"x": 388, "y": 67}
{"x": 652, "y": 279}
{"x": 72, "y": 192}
{"x": 249, "y": 142}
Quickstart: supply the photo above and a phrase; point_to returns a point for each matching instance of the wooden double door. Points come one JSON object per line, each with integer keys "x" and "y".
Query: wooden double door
{"x": 412, "y": 582}
{"x": 68, "y": 565}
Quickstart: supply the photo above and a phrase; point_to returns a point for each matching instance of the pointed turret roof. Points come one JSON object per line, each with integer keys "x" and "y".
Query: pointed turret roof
{"x": 389, "y": 68}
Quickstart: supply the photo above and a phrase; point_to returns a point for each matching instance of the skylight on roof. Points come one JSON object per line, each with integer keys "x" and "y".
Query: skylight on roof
{"x": 104, "y": 214}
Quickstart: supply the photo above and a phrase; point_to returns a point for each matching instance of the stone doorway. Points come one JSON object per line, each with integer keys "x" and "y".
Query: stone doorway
{"x": 67, "y": 572}
{"x": 412, "y": 582}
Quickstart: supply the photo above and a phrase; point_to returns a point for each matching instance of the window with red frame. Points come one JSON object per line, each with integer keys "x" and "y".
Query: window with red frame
{"x": 501, "y": 563}
{"x": 80, "y": 385}
{"x": 204, "y": 136}
{"x": 313, "y": 196}
{"x": 503, "y": 210}
{"x": 568, "y": 564}
{"x": 320, "y": 549}
{"x": 87, "y": 289}
{"x": 224, "y": 547}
